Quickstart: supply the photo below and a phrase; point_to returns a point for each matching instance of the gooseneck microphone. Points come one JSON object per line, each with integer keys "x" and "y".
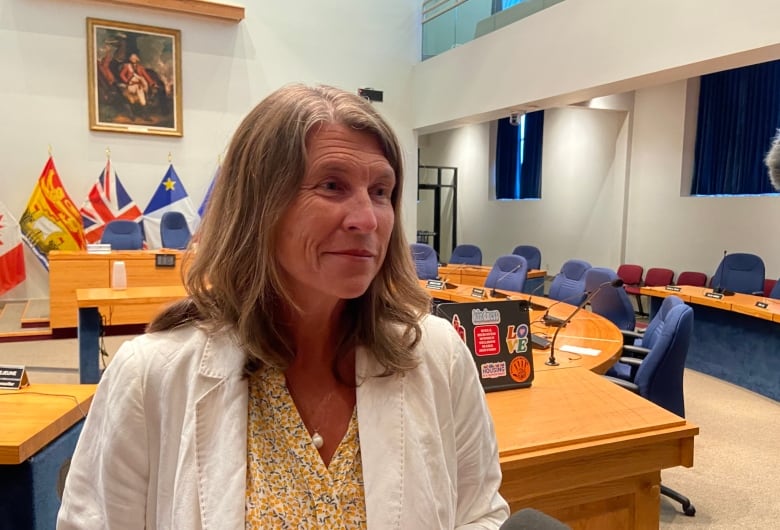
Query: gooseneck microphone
{"x": 493, "y": 291}
{"x": 550, "y": 320}
{"x": 720, "y": 273}
{"x": 534, "y": 305}
{"x": 617, "y": 282}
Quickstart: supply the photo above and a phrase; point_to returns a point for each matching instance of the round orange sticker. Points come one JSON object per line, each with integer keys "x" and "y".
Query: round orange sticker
{"x": 520, "y": 369}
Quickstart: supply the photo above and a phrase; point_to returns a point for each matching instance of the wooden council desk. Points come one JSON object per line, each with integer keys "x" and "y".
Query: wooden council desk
{"x": 733, "y": 338}
{"x": 40, "y": 428}
{"x": 575, "y": 445}
{"x": 72, "y": 270}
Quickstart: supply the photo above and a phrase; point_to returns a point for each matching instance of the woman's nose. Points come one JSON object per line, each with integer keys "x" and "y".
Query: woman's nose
{"x": 361, "y": 213}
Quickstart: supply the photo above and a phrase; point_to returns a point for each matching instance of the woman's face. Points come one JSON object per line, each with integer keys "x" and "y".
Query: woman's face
{"x": 335, "y": 234}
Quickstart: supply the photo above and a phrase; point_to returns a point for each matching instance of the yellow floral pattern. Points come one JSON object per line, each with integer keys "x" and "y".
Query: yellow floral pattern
{"x": 288, "y": 485}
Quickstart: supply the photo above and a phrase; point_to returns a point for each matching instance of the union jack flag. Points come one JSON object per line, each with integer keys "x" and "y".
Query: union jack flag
{"x": 107, "y": 200}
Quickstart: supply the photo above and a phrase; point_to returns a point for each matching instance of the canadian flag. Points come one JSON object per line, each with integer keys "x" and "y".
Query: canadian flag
{"x": 11, "y": 252}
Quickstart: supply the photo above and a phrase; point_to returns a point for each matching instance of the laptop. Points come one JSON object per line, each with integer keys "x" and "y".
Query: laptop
{"x": 498, "y": 335}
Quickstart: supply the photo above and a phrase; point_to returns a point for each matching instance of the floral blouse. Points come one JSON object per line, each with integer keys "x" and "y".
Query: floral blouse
{"x": 288, "y": 485}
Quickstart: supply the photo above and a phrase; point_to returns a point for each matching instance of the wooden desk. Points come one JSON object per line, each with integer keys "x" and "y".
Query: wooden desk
{"x": 40, "y": 427}
{"x": 137, "y": 305}
{"x": 476, "y": 274}
{"x": 733, "y": 339}
{"x": 34, "y": 416}
{"x": 72, "y": 270}
{"x": 587, "y": 330}
{"x": 586, "y": 451}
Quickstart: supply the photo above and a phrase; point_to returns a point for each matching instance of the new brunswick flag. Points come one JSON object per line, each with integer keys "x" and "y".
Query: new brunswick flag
{"x": 51, "y": 221}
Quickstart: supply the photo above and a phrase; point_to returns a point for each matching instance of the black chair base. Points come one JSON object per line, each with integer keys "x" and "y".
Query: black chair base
{"x": 688, "y": 508}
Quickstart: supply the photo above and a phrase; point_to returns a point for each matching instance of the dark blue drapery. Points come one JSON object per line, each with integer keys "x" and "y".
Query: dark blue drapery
{"x": 739, "y": 112}
{"x": 519, "y": 158}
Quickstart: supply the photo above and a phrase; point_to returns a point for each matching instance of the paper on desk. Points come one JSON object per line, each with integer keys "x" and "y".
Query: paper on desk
{"x": 580, "y": 350}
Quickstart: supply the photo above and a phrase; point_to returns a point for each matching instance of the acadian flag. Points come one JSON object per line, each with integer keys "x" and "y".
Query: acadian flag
{"x": 12, "y": 271}
{"x": 51, "y": 220}
{"x": 169, "y": 196}
{"x": 107, "y": 200}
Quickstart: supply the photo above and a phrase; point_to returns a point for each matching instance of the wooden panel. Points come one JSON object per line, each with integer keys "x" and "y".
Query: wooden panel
{"x": 34, "y": 416}
{"x": 65, "y": 276}
{"x": 207, "y": 8}
{"x": 69, "y": 271}
{"x": 134, "y": 305}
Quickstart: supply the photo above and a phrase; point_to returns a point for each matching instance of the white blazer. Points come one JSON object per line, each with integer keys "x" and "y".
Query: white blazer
{"x": 164, "y": 444}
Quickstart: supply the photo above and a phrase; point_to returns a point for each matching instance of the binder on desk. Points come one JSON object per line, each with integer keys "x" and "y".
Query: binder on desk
{"x": 498, "y": 335}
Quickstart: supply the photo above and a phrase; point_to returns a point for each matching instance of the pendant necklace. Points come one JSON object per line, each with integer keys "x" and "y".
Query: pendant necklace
{"x": 316, "y": 438}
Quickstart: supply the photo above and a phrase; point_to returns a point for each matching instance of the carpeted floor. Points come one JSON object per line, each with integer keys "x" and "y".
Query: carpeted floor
{"x": 736, "y": 459}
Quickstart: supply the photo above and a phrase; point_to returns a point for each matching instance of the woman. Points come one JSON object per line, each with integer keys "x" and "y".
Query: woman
{"x": 302, "y": 383}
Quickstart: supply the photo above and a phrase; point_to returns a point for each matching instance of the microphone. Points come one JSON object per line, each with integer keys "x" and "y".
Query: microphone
{"x": 530, "y": 519}
{"x": 535, "y": 306}
{"x": 617, "y": 282}
{"x": 493, "y": 291}
{"x": 720, "y": 273}
{"x": 550, "y": 320}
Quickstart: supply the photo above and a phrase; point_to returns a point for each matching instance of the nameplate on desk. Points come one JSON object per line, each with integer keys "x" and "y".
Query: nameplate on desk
{"x": 673, "y": 288}
{"x": 98, "y": 248}
{"x": 762, "y": 305}
{"x": 436, "y": 285}
{"x": 716, "y": 296}
{"x": 476, "y": 292}
{"x": 165, "y": 260}
{"x": 13, "y": 377}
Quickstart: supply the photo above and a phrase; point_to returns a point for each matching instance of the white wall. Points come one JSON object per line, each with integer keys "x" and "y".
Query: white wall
{"x": 579, "y": 49}
{"x": 227, "y": 69}
{"x": 668, "y": 228}
{"x": 583, "y": 181}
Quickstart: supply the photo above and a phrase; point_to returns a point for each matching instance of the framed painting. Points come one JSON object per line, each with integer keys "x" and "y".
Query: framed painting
{"x": 134, "y": 78}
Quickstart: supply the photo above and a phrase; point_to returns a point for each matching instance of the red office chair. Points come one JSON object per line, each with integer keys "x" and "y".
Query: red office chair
{"x": 696, "y": 279}
{"x": 655, "y": 277}
{"x": 769, "y": 284}
{"x": 632, "y": 281}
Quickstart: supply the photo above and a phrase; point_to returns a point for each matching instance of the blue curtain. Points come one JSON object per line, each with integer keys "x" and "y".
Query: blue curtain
{"x": 739, "y": 113}
{"x": 519, "y": 158}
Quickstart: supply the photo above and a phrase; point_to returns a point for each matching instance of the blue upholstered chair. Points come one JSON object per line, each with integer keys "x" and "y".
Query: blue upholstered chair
{"x": 610, "y": 302}
{"x": 531, "y": 254}
{"x": 741, "y": 273}
{"x": 775, "y": 293}
{"x": 425, "y": 261}
{"x": 569, "y": 284}
{"x": 174, "y": 231}
{"x": 656, "y": 325}
{"x": 466, "y": 255}
{"x": 659, "y": 376}
{"x": 123, "y": 235}
{"x": 508, "y": 273}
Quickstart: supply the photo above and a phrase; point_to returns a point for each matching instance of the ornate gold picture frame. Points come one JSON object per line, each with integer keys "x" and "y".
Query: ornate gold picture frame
{"x": 134, "y": 78}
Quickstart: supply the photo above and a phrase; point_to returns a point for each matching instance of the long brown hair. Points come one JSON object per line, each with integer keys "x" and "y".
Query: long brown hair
{"x": 233, "y": 279}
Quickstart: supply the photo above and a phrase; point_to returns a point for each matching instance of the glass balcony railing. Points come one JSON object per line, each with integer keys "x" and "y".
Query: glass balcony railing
{"x": 450, "y": 23}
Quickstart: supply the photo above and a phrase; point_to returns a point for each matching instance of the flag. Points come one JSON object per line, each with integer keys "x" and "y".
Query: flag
{"x": 107, "y": 200}
{"x": 51, "y": 221}
{"x": 206, "y": 198}
{"x": 11, "y": 252}
{"x": 169, "y": 196}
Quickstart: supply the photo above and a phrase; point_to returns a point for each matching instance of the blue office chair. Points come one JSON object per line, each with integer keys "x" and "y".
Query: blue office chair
{"x": 569, "y": 284}
{"x": 466, "y": 255}
{"x": 659, "y": 376}
{"x": 425, "y": 261}
{"x": 123, "y": 235}
{"x": 775, "y": 291}
{"x": 531, "y": 254}
{"x": 741, "y": 273}
{"x": 645, "y": 340}
{"x": 174, "y": 231}
{"x": 508, "y": 273}
{"x": 610, "y": 302}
